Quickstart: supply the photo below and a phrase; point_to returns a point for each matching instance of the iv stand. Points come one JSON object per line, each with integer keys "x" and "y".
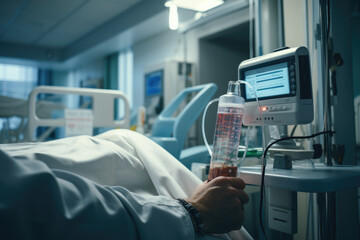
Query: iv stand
{"x": 327, "y": 96}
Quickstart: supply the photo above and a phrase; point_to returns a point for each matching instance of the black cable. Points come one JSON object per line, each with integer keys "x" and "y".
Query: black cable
{"x": 297, "y": 137}
{"x": 261, "y": 199}
{"x": 262, "y": 189}
{"x": 293, "y": 131}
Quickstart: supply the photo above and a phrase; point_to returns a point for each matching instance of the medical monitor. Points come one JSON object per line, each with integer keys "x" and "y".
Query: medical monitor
{"x": 154, "y": 83}
{"x": 282, "y": 81}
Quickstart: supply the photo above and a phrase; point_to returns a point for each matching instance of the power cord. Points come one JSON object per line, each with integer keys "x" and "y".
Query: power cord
{"x": 264, "y": 166}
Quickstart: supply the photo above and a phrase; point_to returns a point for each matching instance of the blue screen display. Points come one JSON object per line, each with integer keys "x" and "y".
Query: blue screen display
{"x": 153, "y": 83}
{"x": 269, "y": 81}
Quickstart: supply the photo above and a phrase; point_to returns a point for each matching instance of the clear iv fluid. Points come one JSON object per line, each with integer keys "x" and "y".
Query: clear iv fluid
{"x": 226, "y": 142}
{"x": 227, "y": 134}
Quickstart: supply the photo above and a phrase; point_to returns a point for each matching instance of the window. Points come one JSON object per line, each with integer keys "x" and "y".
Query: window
{"x": 125, "y": 73}
{"x": 16, "y": 82}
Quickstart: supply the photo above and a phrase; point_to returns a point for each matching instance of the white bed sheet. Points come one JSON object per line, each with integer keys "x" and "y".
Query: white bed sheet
{"x": 117, "y": 158}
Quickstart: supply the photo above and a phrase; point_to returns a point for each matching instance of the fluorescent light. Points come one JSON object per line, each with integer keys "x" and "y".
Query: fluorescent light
{"x": 197, "y": 5}
{"x": 173, "y": 17}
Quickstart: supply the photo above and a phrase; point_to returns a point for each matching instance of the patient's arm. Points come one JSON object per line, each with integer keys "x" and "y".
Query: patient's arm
{"x": 39, "y": 203}
{"x": 220, "y": 204}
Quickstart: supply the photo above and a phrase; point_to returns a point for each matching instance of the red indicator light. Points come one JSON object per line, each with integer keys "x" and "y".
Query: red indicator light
{"x": 264, "y": 109}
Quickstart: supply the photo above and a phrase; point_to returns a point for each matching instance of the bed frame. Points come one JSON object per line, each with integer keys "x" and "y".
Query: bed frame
{"x": 103, "y": 102}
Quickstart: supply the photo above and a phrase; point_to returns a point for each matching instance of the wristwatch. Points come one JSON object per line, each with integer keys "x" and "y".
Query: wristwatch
{"x": 194, "y": 214}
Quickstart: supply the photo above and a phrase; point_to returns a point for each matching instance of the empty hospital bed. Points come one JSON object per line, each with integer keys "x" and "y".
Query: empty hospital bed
{"x": 100, "y": 106}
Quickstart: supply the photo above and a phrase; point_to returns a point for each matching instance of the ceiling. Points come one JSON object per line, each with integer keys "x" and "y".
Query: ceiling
{"x": 57, "y": 31}
{"x": 55, "y": 23}
{"x": 62, "y": 34}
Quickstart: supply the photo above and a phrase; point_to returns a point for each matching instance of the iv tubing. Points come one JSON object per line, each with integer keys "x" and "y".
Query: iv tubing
{"x": 203, "y": 125}
{"x": 262, "y": 121}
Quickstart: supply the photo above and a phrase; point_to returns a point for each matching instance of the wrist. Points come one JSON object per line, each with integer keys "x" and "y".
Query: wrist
{"x": 194, "y": 215}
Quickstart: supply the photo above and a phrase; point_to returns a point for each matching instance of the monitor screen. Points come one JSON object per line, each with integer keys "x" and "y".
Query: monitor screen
{"x": 154, "y": 83}
{"x": 268, "y": 82}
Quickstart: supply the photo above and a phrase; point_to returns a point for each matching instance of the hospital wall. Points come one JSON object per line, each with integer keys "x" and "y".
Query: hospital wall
{"x": 152, "y": 51}
{"x": 88, "y": 72}
{"x": 172, "y": 45}
{"x": 219, "y": 65}
{"x": 190, "y": 47}
{"x": 168, "y": 45}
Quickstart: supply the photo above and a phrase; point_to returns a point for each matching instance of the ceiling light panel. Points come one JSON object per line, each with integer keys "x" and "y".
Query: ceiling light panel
{"x": 198, "y": 5}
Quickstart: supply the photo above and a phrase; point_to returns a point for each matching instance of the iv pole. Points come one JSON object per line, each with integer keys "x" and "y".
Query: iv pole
{"x": 325, "y": 70}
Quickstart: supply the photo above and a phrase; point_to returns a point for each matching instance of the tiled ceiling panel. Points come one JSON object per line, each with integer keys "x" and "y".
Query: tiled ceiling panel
{"x": 7, "y": 11}
{"x": 91, "y": 16}
{"x": 65, "y": 33}
{"x": 54, "y": 23}
{"x": 36, "y": 18}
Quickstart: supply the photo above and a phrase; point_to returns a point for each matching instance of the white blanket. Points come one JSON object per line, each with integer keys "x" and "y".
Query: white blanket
{"x": 117, "y": 158}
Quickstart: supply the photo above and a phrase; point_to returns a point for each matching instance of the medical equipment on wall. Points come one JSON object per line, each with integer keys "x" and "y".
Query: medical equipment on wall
{"x": 282, "y": 81}
{"x": 162, "y": 82}
{"x": 227, "y": 133}
{"x": 277, "y": 90}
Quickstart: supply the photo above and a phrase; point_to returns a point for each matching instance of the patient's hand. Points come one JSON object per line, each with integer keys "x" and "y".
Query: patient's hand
{"x": 220, "y": 204}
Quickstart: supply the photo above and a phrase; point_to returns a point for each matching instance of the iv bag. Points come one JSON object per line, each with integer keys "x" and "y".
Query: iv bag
{"x": 227, "y": 133}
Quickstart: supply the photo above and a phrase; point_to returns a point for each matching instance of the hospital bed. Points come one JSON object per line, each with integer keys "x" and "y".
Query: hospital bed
{"x": 12, "y": 107}
{"x": 102, "y": 108}
{"x": 98, "y": 104}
